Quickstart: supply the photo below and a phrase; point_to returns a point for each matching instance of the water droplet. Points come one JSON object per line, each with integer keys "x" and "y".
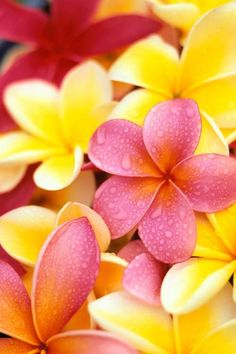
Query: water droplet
{"x": 168, "y": 234}
{"x": 126, "y": 163}
{"x": 101, "y": 136}
{"x": 157, "y": 212}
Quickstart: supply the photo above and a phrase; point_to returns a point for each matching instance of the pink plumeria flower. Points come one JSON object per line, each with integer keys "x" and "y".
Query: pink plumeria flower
{"x": 159, "y": 182}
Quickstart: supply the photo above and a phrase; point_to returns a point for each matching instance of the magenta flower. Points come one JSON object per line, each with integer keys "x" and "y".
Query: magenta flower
{"x": 159, "y": 182}
{"x": 63, "y": 39}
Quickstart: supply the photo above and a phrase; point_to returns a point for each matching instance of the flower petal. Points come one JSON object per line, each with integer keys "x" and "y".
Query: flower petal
{"x": 147, "y": 327}
{"x": 88, "y": 342}
{"x": 133, "y": 67}
{"x": 85, "y": 88}
{"x": 136, "y": 105}
{"x": 16, "y": 317}
{"x": 143, "y": 278}
{"x": 60, "y": 171}
{"x": 67, "y": 265}
{"x": 24, "y": 230}
{"x": 117, "y": 147}
{"x": 10, "y": 177}
{"x": 171, "y": 132}
{"x": 208, "y": 181}
{"x": 122, "y": 202}
{"x": 191, "y": 284}
{"x": 75, "y": 210}
{"x": 110, "y": 274}
{"x": 22, "y": 23}
{"x": 14, "y": 346}
{"x": 4, "y": 256}
{"x": 194, "y": 327}
{"x": 95, "y": 41}
{"x": 203, "y": 39}
{"x": 33, "y": 104}
{"x": 131, "y": 250}
{"x": 168, "y": 228}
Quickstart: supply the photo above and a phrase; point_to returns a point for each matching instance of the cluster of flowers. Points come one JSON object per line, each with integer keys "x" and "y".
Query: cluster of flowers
{"x": 118, "y": 177}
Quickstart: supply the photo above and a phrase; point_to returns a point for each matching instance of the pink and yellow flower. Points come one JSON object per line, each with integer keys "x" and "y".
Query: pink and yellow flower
{"x": 201, "y": 72}
{"x": 159, "y": 182}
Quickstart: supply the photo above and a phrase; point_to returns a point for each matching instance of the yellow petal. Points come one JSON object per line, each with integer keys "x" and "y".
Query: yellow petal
{"x": 81, "y": 190}
{"x": 191, "y": 284}
{"x": 10, "y": 176}
{"x": 110, "y": 274}
{"x": 136, "y": 105}
{"x": 147, "y": 327}
{"x": 20, "y": 148}
{"x": 150, "y": 63}
{"x": 229, "y": 135}
{"x": 211, "y": 140}
{"x": 107, "y": 8}
{"x": 60, "y": 171}
{"x": 201, "y": 59}
{"x": 84, "y": 88}
{"x": 209, "y": 244}
{"x": 193, "y": 327}
{"x": 182, "y": 15}
{"x": 224, "y": 223}
{"x": 24, "y": 230}
{"x": 34, "y": 106}
{"x": 74, "y": 210}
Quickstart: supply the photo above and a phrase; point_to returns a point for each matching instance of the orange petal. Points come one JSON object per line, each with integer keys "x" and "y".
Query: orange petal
{"x": 14, "y": 346}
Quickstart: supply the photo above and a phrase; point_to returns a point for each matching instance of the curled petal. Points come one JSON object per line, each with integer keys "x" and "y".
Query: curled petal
{"x": 67, "y": 265}
{"x": 171, "y": 132}
{"x": 117, "y": 147}
{"x": 10, "y": 177}
{"x": 143, "y": 278}
{"x": 208, "y": 181}
{"x": 122, "y": 202}
{"x": 132, "y": 250}
{"x": 168, "y": 229}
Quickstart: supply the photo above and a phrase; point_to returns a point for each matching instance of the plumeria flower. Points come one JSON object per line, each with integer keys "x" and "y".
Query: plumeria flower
{"x": 4, "y": 256}
{"x": 183, "y": 14}
{"x": 63, "y": 277}
{"x": 210, "y": 329}
{"x": 201, "y": 72}
{"x": 159, "y": 182}
{"x": 190, "y": 284}
{"x": 55, "y": 125}
{"x": 62, "y": 39}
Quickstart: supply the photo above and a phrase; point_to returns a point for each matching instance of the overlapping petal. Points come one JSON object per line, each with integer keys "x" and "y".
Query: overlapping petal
{"x": 122, "y": 202}
{"x": 67, "y": 265}
{"x": 14, "y": 346}
{"x": 168, "y": 228}
{"x": 117, "y": 147}
{"x": 171, "y": 132}
{"x": 208, "y": 181}
{"x": 131, "y": 250}
{"x": 10, "y": 177}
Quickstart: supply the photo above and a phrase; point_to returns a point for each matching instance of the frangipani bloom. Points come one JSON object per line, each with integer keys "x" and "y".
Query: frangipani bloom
{"x": 64, "y": 275}
{"x": 190, "y": 284}
{"x": 56, "y": 125}
{"x": 202, "y": 73}
{"x": 210, "y": 329}
{"x": 62, "y": 39}
{"x": 158, "y": 181}
{"x": 183, "y": 14}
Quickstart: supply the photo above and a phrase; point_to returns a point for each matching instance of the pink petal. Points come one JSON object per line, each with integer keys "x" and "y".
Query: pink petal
{"x": 88, "y": 342}
{"x": 208, "y": 181}
{"x": 171, "y": 132}
{"x": 168, "y": 229}
{"x": 4, "y": 256}
{"x": 132, "y": 250}
{"x": 143, "y": 278}
{"x": 122, "y": 202}
{"x": 22, "y": 24}
{"x": 20, "y": 195}
{"x": 117, "y": 147}
{"x": 65, "y": 274}
{"x": 16, "y": 317}
{"x": 70, "y": 17}
{"x": 113, "y": 33}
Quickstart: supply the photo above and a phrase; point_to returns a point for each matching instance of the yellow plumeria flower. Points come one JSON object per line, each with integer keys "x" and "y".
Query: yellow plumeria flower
{"x": 56, "y": 125}
{"x": 205, "y": 72}
{"x": 183, "y": 14}
{"x": 210, "y": 329}
{"x": 190, "y": 284}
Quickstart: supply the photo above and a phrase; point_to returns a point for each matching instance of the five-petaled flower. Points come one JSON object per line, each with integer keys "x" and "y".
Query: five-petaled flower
{"x": 64, "y": 275}
{"x": 159, "y": 182}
